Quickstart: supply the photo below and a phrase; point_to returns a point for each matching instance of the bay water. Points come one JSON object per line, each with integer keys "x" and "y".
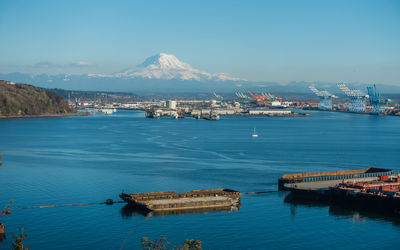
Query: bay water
{"x": 71, "y": 160}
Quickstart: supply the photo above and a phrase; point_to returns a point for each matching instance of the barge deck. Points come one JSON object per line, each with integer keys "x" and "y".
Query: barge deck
{"x": 323, "y": 180}
{"x": 171, "y": 200}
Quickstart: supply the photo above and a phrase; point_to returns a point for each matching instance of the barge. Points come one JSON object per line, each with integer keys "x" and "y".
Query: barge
{"x": 171, "y": 200}
{"x": 383, "y": 194}
{"x": 314, "y": 181}
{"x": 368, "y": 188}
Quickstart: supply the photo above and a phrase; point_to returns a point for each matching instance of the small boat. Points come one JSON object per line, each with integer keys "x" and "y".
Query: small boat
{"x": 106, "y": 111}
{"x": 254, "y": 133}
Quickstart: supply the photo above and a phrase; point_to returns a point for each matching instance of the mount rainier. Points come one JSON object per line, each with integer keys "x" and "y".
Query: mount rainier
{"x": 164, "y": 73}
{"x": 167, "y": 67}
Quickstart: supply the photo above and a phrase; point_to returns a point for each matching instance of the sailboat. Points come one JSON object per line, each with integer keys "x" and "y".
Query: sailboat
{"x": 254, "y": 133}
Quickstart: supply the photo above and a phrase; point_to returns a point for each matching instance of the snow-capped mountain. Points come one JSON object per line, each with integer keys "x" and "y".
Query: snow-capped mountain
{"x": 164, "y": 73}
{"x": 167, "y": 67}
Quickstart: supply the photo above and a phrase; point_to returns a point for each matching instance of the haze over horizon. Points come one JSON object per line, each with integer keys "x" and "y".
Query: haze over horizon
{"x": 331, "y": 41}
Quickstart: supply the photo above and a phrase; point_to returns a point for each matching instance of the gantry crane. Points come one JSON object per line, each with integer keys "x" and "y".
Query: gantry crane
{"x": 325, "y": 98}
{"x": 259, "y": 100}
{"x": 377, "y": 105}
{"x": 358, "y": 99}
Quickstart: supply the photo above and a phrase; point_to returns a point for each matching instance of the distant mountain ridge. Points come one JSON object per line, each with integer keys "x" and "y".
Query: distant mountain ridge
{"x": 151, "y": 86}
{"x": 165, "y": 73}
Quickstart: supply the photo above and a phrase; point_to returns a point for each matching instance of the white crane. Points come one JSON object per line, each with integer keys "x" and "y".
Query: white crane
{"x": 358, "y": 99}
{"x": 325, "y": 98}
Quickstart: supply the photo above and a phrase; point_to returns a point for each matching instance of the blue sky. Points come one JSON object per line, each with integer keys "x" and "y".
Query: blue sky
{"x": 283, "y": 41}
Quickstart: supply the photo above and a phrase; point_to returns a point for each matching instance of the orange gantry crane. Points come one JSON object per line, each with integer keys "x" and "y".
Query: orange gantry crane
{"x": 260, "y": 100}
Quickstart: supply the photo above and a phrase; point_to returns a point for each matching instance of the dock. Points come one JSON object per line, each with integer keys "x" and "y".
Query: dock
{"x": 171, "y": 200}
{"x": 215, "y": 113}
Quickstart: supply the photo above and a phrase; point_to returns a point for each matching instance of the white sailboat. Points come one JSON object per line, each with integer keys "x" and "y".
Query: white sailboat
{"x": 254, "y": 133}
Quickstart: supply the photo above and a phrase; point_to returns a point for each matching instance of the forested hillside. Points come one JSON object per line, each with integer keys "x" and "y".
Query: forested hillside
{"x": 22, "y": 99}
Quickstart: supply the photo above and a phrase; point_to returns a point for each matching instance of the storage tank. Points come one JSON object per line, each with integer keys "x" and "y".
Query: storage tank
{"x": 171, "y": 104}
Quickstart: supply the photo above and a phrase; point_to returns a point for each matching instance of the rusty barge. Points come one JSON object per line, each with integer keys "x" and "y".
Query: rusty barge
{"x": 320, "y": 181}
{"x": 372, "y": 188}
{"x": 171, "y": 200}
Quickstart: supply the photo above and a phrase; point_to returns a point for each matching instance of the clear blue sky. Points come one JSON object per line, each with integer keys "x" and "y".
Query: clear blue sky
{"x": 282, "y": 41}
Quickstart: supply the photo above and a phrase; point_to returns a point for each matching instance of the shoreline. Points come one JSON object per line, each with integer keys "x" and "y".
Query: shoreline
{"x": 43, "y": 115}
{"x": 269, "y": 115}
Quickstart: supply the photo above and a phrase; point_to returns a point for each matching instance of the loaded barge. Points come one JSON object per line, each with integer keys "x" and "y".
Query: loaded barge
{"x": 171, "y": 200}
{"x": 368, "y": 188}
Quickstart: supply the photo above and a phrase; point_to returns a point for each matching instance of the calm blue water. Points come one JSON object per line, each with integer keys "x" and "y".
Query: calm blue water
{"x": 50, "y": 161}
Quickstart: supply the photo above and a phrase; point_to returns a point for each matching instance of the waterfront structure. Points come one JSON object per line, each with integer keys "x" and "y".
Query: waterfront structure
{"x": 377, "y": 105}
{"x": 171, "y": 104}
{"x": 228, "y": 111}
{"x": 358, "y": 99}
{"x": 269, "y": 111}
{"x": 264, "y": 99}
{"x": 219, "y": 98}
{"x": 243, "y": 98}
{"x": 325, "y": 98}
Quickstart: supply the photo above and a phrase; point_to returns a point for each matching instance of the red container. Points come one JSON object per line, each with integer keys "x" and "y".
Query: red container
{"x": 384, "y": 178}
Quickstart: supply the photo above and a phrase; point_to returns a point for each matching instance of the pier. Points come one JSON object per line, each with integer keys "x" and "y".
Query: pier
{"x": 215, "y": 114}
